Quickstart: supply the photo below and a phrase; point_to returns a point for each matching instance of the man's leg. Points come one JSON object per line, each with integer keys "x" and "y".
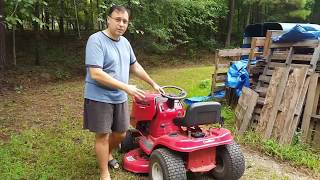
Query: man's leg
{"x": 114, "y": 140}
{"x": 102, "y": 152}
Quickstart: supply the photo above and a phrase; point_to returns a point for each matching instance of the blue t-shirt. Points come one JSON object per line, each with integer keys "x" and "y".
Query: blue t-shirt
{"x": 115, "y": 58}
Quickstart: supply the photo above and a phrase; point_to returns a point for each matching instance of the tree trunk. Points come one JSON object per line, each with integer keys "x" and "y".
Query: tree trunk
{"x": 37, "y": 35}
{"x": 52, "y": 24}
{"x": 47, "y": 18}
{"x": 76, "y": 12}
{"x": 91, "y": 16}
{"x": 2, "y": 36}
{"x": 98, "y": 10}
{"x": 230, "y": 22}
{"x": 61, "y": 18}
{"x": 14, "y": 56}
{"x": 248, "y": 21}
{"x": 315, "y": 14}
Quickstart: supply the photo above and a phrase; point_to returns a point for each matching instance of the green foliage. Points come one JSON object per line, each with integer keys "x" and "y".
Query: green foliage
{"x": 173, "y": 23}
{"x": 20, "y": 11}
{"x": 205, "y": 84}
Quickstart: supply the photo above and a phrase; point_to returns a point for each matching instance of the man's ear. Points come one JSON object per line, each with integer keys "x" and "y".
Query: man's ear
{"x": 107, "y": 21}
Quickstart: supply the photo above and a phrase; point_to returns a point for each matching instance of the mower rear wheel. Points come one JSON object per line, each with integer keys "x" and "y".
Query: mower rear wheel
{"x": 129, "y": 142}
{"x": 166, "y": 165}
{"x": 230, "y": 162}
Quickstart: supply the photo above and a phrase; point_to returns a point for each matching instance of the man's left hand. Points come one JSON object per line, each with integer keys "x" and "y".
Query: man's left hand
{"x": 158, "y": 88}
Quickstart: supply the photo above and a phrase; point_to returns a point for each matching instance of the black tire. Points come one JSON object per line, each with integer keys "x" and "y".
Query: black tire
{"x": 129, "y": 142}
{"x": 170, "y": 164}
{"x": 230, "y": 162}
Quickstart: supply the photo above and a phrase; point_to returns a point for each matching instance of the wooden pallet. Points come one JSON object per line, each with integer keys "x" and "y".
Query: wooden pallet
{"x": 244, "y": 109}
{"x": 286, "y": 56}
{"x": 310, "y": 126}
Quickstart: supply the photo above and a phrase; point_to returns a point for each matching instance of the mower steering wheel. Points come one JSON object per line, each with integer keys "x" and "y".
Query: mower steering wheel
{"x": 182, "y": 93}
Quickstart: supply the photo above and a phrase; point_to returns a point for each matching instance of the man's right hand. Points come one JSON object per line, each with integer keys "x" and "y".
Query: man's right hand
{"x": 134, "y": 91}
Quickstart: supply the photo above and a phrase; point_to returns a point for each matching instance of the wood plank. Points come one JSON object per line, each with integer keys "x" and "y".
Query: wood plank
{"x": 267, "y": 42}
{"x": 272, "y": 102}
{"x": 262, "y": 91}
{"x": 301, "y": 101}
{"x": 297, "y": 115}
{"x": 306, "y": 43}
{"x": 233, "y": 52}
{"x": 222, "y": 66}
{"x": 289, "y": 57}
{"x": 264, "y": 78}
{"x": 296, "y": 57}
{"x": 315, "y": 58}
{"x": 284, "y": 126}
{"x": 316, "y": 136}
{"x": 215, "y": 72}
{"x": 309, "y": 107}
{"x": 269, "y": 72}
{"x": 252, "y": 52}
{"x": 316, "y": 116}
{"x": 221, "y": 78}
{"x": 261, "y": 100}
{"x": 277, "y": 64}
{"x": 244, "y": 109}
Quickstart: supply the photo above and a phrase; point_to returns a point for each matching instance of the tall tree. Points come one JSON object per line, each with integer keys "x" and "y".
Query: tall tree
{"x": 36, "y": 27}
{"x": 315, "y": 14}
{"x": 2, "y": 36}
{"x": 230, "y": 22}
{"x": 61, "y": 18}
{"x": 77, "y": 20}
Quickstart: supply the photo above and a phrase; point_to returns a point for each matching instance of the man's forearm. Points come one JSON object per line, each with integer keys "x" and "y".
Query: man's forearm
{"x": 106, "y": 80}
{"x": 142, "y": 74}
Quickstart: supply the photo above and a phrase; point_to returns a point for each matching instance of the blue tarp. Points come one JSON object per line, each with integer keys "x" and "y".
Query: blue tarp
{"x": 195, "y": 99}
{"x": 298, "y": 33}
{"x": 238, "y": 76}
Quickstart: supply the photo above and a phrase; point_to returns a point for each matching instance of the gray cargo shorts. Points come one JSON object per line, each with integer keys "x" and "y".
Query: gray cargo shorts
{"x": 100, "y": 117}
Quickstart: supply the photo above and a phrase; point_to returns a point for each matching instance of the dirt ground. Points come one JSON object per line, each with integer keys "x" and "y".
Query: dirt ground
{"x": 260, "y": 166}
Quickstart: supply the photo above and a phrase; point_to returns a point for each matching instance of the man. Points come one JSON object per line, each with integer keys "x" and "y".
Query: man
{"x": 109, "y": 58}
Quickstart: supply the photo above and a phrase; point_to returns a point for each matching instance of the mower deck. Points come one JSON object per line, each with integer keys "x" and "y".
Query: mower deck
{"x": 134, "y": 161}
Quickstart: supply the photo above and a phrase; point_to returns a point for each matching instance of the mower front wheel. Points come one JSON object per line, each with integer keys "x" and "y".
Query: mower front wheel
{"x": 166, "y": 165}
{"x": 230, "y": 162}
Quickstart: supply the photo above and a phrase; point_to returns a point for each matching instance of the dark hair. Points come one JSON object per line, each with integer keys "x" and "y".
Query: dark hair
{"x": 118, "y": 8}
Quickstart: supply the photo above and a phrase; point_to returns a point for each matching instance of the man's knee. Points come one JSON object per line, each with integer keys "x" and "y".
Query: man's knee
{"x": 119, "y": 135}
{"x": 102, "y": 137}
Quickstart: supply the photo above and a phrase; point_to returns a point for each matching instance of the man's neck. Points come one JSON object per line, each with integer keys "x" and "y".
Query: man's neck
{"x": 110, "y": 35}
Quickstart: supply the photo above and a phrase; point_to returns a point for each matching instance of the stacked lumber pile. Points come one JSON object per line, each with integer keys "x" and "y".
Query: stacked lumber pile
{"x": 219, "y": 77}
{"x": 286, "y": 97}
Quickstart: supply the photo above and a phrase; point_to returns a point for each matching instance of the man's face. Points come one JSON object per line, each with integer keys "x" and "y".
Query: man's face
{"x": 118, "y": 22}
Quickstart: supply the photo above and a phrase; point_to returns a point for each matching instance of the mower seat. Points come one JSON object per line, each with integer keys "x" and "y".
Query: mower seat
{"x": 199, "y": 114}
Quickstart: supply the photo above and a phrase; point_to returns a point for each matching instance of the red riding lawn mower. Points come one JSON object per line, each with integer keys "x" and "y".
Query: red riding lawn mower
{"x": 168, "y": 142}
